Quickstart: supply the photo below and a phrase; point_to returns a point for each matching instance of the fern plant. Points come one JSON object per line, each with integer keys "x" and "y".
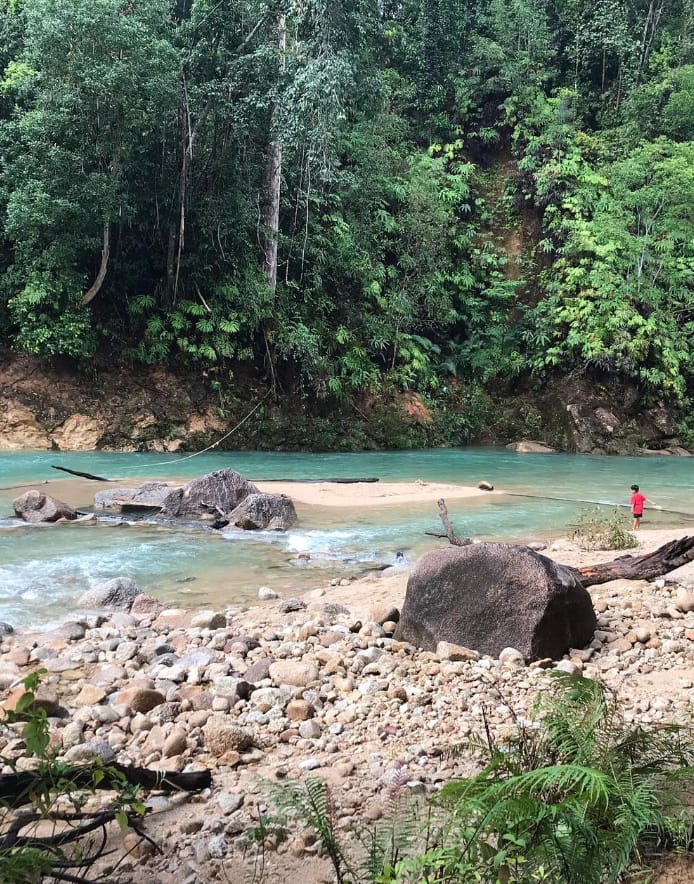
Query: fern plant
{"x": 577, "y": 797}
{"x": 382, "y": 845}
{"x": 575, "y": 800}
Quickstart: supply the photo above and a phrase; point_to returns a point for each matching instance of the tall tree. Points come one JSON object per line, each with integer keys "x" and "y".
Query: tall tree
{"x": 90, "y": 99}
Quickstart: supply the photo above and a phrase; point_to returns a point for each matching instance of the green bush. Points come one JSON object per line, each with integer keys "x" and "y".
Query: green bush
{"x": 599, "y": 529}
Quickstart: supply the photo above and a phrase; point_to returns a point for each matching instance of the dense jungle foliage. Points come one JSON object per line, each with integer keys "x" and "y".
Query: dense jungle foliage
{"x": 352, "y": 195}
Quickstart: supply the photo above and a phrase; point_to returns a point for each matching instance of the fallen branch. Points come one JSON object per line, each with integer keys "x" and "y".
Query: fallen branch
{"x": 336, "y": 480}
{"x": 654, "y": 564}
{"x": 17, "y": 788}
{"x": 453, "y": 538}
{"x": 82, "y": 475}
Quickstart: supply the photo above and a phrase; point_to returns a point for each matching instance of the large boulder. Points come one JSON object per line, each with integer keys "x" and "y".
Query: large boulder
{"x": 222, "y": 490}
{"x": 490, "y": 596}
{"x": 274, "y": 511}
{"x": 35, "y": 506}
{"x": 151, "y": 495}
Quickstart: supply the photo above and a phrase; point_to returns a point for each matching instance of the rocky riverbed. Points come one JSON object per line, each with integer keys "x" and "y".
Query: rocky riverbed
{"x": 312, "y": 687}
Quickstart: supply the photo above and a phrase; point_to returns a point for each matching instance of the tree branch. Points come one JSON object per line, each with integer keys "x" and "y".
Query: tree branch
{"x": 453, "y": 539}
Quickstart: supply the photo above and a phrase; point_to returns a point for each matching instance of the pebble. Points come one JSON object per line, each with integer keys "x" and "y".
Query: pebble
{"x": 257, "y": 696}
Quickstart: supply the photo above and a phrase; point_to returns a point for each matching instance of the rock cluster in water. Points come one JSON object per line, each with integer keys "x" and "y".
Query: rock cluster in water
{"x": 294, "y": 690}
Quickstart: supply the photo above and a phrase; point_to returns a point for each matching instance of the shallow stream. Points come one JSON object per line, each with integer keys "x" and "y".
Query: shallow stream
{"x": 44, "y": 569}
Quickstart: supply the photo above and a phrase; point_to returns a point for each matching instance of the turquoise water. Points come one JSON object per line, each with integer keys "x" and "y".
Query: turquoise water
{"x": 44, "y": 569}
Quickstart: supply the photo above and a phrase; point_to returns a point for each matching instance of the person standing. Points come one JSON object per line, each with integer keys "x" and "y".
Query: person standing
{"x": 637, "y": 502}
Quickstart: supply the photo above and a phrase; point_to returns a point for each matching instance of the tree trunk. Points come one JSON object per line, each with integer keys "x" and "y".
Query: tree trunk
{"x": 95, "y": 288}
{"x": 654, "y": 564}
{"x": 273, "y": 177}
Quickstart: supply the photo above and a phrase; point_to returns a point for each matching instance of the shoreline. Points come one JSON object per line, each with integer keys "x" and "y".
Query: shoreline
{"x": 332, "y": 696}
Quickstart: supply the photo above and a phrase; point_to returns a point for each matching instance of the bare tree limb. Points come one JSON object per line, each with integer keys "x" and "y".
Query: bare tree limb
{"x": 654, "y": 564}
{"x": 453, "y": 538}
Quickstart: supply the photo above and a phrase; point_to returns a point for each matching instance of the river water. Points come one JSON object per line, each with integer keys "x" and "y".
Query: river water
{"x": 44, "y": 569}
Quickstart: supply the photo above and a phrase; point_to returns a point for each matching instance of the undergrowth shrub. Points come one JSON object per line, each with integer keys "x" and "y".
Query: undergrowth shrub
{"x": 47, "y": 831}
{"x": 599, "y": 529}
{"x": 576, "y": 797}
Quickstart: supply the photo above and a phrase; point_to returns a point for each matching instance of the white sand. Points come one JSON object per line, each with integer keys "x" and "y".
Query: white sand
{"x": 360, "y": 494}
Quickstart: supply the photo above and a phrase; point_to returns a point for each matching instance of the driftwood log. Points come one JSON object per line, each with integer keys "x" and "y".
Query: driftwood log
{"x": 17, "y": 788}
{"x": 453, "y": 538}
{"x": 82, "y": 475}
{"x": 73, "y": 841}
{"x": 334, "y": 480}
{"x": 654, "y": 564}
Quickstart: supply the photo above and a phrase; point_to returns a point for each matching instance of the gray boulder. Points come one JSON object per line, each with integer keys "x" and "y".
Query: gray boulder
{"x": 528, "y": 446}
{"x": 274, "y": 511}
{"x": 490, "y": 596}
{"x": 117, "y": 594}
{"x": 220, "y": 491}
{"x": 151, "y": 495}
{"x": 35, "y": 506}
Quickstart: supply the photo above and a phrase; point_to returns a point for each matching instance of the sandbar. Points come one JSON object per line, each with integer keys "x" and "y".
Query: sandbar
{"x": 369, "y": 494}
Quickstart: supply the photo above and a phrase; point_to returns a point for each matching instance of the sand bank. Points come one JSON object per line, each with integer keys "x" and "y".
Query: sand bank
{"x": 80, "y": 492}
{"x": 369, "y": 493}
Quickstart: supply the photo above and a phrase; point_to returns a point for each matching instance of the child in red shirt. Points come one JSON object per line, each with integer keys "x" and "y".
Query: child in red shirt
{"x": 637, "y": 501}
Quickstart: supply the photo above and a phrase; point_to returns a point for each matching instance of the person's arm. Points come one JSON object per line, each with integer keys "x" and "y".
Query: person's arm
{"x": 653, "y": 504}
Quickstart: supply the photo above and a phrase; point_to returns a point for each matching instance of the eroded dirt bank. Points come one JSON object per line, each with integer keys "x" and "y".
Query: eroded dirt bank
{"x": 139, "y": 408}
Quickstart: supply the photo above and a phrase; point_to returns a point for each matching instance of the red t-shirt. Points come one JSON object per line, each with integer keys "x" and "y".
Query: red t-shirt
{"x": 637, "y": 502}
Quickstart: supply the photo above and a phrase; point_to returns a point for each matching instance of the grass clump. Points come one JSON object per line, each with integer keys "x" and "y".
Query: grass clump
{"x": 599, "y": 529}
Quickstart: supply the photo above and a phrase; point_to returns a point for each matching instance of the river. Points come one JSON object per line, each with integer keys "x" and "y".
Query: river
{"x": 44, "y": 569}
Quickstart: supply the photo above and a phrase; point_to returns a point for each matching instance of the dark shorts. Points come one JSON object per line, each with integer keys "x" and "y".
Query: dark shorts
{"x": 638, "y": 515}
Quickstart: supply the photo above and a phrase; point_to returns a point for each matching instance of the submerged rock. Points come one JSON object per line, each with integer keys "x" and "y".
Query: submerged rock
{"x": 117, "y": 594}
